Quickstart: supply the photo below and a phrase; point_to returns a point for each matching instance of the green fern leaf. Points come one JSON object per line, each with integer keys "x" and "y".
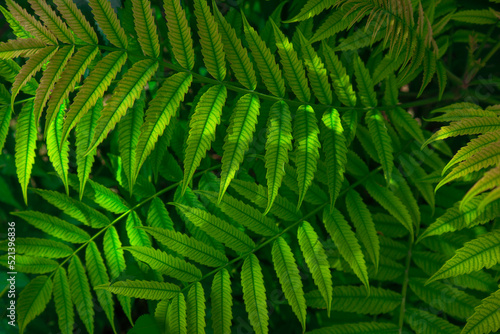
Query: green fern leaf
{"x": 391, "y": 203}
{"x": 403, "y": 121}
{"x": 337, "y": 21}
{"x": 381, "y": 141}
{"x": 20, "y": 48}
{"x": 340, "y": 79}
{"x": 210, "y": 40}
{"x": 311, "y": 9}
{"x": 279, "y": 142}
{"x": 335, "y": 148}
{"x": 307, "y": 148}
{"x": 30, "y": 264}
{"x": 80, "y": 293}
{"x": 476, "y": 16}
{"x": 365, "y": 84}
{"x": 282, "y": 208}
{"x": 159, "y": 113}
{"x": 31, "y": 24}
{"x": 127, "y": 91}
{"x": 136, "y": 236}
{"x": 288, "y": 274}
{"x": 365, "y": 228}
{"x": 146, "y": 28}
{"x": 50, "y": 76}
{"x": 316, "y": 72}
{"x": 52, "y": 21}
{"x": 33, "y": 300}
{"x": 64, "y": 304}
{"x": 179, "y": 33}
{"x": 463, "y": 303}
{"x": 359, "y": 328}
{"x": 92, "y": 89}
{"x": 5, "y": 118}
{"x": 109, "y": 23}
{"x": 26, "y": 135}
{"x": 218, "y": 229}
{"x": 188, "y": 247}
{"x": 149, "y": 290}
{"x": 54, "y": 226}
{"x": 69, "y": 78}
{"x": 254, "y": 294}
{"x": 235, "y": 52}
{"x": 442, "y": 78}
{"x": 176, "y": 315}
{"x": 221, "y": 302}
{"x": 17, "y": 28}
{"x": 475, "y": 255}
{"x": 195, "y": 306}
{"x": 488, "y": 199}
{"x": 292, "y": 66}
{"x": 76, "y": 21}
{"x": 316, "y": 260}
{"x": 490, "y": 180}
{"x": 32, "y": 66}
{"x": 202, "y": 126}
{"x": 266, "y": 63}
{"x": 39, "y": 247}
{"x": 346, "y": 241}
{"x": 238, "y": 138}
{"x": 485, "y": 317}
{"x": 243, "y": 213}
{"x": 427, "y": 323}
{"x": 158, "y": 215}
{"x": 314, "y": 194}
{"x": 98, "y": 275}
{"x": 402, "y": 190}
{"x": 58, "y": 151}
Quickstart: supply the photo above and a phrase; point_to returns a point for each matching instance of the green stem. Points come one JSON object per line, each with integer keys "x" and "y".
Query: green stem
{"x": 402, "y": 310}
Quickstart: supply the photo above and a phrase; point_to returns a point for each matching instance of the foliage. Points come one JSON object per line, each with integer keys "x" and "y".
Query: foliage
{"x": 194, "y": 166}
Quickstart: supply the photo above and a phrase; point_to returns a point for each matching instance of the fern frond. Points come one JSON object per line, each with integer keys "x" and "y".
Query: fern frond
{"x": 359, "y": 328}
{"x": 109, "y": 23}
{"x": 30, "y": 264}
{"x": 311, "y": 9}
{"x": 63, "y": 302}
{"x": 136, "y": 236}
{"x": 365, "y": 228}
{"x": 335, "y": 148}
{"x": 202, "y": 126}
{"x": 391, "y": 203}
{"x": 20, "y": 48}
{"x": 218, "y": 229}
{"x": 50, "y": 76}
{"x": 176, "y": 315}
{"x": 490, "y": 180}
{"x": 307, "y": 146}
{"x": 159, "y": 113}
{"x": 288, "y": 274}
{"x": 98, "y": 275}
{"x": 404, "y": 121}
{"x": 58, "y": 155}
{"x": 80, "y": 293}
{"x": 476, "y": 16}
{"x": 475, "y": 255}
{"x": 221, "y": 302}
{"x": 149, "y": 290}
{"x": 76, "y": 21}
{"x": 282, "y": 207}
{"x": 244, "y": 214}
{"x": 336, "y": 22}
{"x": 254, "y": 294}
{"x": 314, "y": 194}
{"x": 54, "y": 226}
{"x": 146, "y": 28}
{"x": 52, "y": 21}
{"x": 292, "y": 66}
{"x": 33, "y": 300}
{"x": 235, "y": 52}
{"x": 129, "y": 129}
{"x": 427, "y": 323}
{"x": 31, "y": 24}
{"x": 92, "y": 89}
{"x": 316, "y": 260}
{"x": 188, "y": 247}
{"x": 344, "y": 238}
{"x": 113, "y": 252}
{"x": 210, "y": 40}
{"x": 158, "y": 215}
{"x": 266, "y": 63}
{"x": 39, "y": 247}
{"x": 485, "y": 318}
{"x": 278, "y": 143}
{"x": 16, "y": 27}
{"x": 356, "y": 299}
{"x": 239, "y": 136}
{"x": 25, "y": 146}
{"x": 179, "y": 33}
{"x": 127, "y": 91}
{"x": 381, "y": 140}
{"x": 365, "y": 84}
{"x": 432, "y": 293}
{"x": 195, "y": 306}
{"x": 340, "y": 79}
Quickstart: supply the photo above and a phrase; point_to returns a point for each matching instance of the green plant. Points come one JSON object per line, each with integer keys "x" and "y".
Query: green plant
{"x": 200, "y": 169}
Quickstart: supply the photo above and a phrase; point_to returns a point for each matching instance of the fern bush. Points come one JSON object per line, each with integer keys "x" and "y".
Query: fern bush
{"x": 263, "y": 166}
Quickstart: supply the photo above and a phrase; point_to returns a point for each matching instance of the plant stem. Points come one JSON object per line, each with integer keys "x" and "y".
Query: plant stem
{"x": 402, "y": 310}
